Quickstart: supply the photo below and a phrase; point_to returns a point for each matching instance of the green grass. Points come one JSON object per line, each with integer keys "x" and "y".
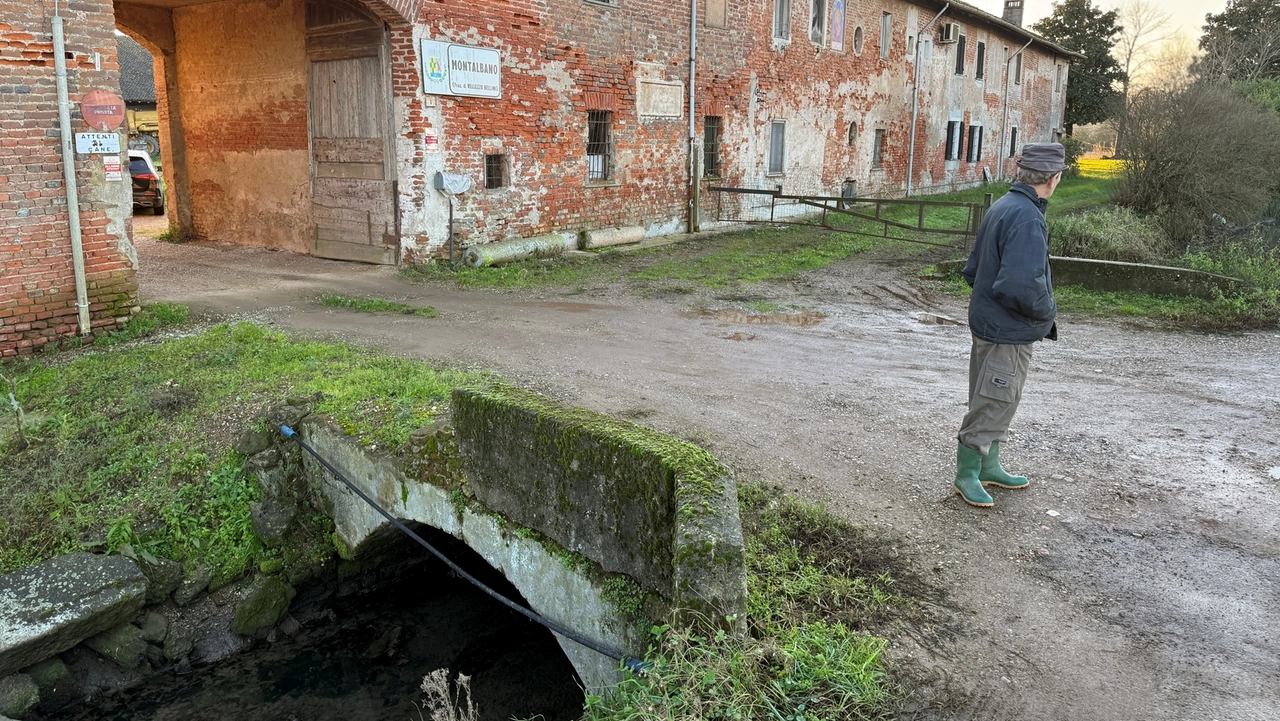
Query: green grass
{"x": 377, "y": 305}
{"x": 815, "y": 583}
{"x": 151, "y": 319}
{"x": 562, "y": 271}
{"x": 129, "y": 445}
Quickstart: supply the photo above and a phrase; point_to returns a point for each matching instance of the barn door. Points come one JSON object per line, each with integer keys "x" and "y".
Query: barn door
{"x": 353, "y": 195}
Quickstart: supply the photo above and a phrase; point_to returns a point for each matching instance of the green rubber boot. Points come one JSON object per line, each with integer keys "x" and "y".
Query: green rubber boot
{"x": 967, "y": 485}
{"x": 994, "y": 475}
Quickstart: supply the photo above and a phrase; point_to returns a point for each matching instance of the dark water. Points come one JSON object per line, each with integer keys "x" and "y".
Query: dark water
{"x": 354, "y": 665}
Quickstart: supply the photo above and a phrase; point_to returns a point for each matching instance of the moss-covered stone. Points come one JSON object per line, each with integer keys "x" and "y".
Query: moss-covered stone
{"x": 263, "y": 605}
{"x": 123, "y": 645}
{"x": 57, "y": 686}
{"x": 18, "y": 695}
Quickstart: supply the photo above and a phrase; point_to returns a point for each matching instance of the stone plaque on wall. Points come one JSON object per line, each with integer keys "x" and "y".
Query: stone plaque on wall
{"x": 657, "y": 99}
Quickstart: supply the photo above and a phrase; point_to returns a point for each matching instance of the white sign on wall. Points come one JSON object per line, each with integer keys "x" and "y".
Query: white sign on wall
{"x": 452, "y": 69}
{"x": 97, "y": 143}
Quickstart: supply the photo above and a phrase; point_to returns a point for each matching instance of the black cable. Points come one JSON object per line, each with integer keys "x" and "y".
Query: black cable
{"x": 631, "y": 663}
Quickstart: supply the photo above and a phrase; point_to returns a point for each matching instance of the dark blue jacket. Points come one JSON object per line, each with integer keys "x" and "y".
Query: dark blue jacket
{"x": 1009, "y": 270}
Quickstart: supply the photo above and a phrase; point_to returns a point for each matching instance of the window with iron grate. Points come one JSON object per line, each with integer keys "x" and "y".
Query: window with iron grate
{"x": 495, "y": 171}
{"x": 599, "y": 146}
{"x": 711, "y": 133}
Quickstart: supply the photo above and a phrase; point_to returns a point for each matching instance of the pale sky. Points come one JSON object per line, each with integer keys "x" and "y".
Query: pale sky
{"x": 1186, "y": 14}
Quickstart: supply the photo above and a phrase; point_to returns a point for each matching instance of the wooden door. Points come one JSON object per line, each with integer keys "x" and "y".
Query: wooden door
{"x": 353, "y": 194}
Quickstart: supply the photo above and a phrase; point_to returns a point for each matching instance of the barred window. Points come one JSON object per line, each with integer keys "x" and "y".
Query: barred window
{"x": 711, "y": 130}
{"x": 495, "y": 171}
{"x": 599, "y": 146}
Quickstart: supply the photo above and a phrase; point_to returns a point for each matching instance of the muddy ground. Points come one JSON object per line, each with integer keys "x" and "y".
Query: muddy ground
{"x": 1137, "y": 578}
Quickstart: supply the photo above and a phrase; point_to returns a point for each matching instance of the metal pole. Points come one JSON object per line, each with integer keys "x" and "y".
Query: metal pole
{"x": 1004, "y": 130}
{"x": 693, "y": 145}
{"x": 451, "y": 232}
{"x": 915, "y": 98}
{"x": 69, "y": 174}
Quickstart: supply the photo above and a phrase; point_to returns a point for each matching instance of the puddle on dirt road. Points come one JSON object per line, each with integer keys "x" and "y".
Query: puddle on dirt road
{"x": 802, "y": 319}
{"x": 362, "y": 658}
{"x": 739, "y": 336}
{"x": 568, "y": 307}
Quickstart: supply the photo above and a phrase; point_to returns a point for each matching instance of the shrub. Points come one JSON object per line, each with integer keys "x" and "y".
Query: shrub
{"x": 1075, "y": 148}
{"x": 1108, "y": 233}
{"x": 1196, "y": 153}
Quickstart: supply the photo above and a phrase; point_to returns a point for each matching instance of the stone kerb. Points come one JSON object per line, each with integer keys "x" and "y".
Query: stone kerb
{"x": 636, "y": 501}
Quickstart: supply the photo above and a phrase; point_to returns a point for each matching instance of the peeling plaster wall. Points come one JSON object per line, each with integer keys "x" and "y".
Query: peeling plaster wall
{"x": 243, "y": 75}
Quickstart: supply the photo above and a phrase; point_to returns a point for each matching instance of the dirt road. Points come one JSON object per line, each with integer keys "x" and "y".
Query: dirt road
{"x": 1139, "y": 576}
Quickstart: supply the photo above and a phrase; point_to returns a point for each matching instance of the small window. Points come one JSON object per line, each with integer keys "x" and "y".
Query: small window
{"x": 717, "y": 14}
{"x": 777, "y": 146}
{"x": 980, "y": 66}
{"x": 1057, "y": 85}
{"x": 495, "y": 171}
{"x": 599, "y": 146}
{"x": 711, "y": 130}
{"x": 886, "y": 35}
{"x": 818, "y": 21}
{"x": 1017, "y": 69}
{"x": 911, "y": 48}
{"x": 960, "y": 56}
{"x": 782, "y": 19}
{"x": 857, "y": 40}
{"x": 1013, "y": 142}
{"x": 975, "y": 144}
{"x": 955, "y": 139}
{"x": 877, "y": 150}
{"x": 853, "y": 134}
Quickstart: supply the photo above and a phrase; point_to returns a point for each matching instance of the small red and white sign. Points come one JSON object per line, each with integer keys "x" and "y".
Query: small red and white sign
{"x": 102, "y": 110}
{"x": 111, "y": 167}
{"x": 431, "y": 140}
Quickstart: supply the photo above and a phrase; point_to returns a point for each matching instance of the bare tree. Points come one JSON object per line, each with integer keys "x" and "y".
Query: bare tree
{"x": 1170, "y": 64}
{"x": 1241, "y": 58}
{"x": 1143, "y": 25}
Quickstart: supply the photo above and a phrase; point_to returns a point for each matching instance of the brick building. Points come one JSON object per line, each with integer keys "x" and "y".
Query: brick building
{"x": 319, "y": 125}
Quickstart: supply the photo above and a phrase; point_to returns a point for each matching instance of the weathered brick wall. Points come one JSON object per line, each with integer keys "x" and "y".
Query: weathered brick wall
{"x": 562, "y": 58}
{"x": 37, "y": 285}
{"x": 242, "y": 70}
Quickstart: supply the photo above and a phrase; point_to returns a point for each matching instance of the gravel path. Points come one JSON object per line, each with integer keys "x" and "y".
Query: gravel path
{"x": 1138, "y": 578}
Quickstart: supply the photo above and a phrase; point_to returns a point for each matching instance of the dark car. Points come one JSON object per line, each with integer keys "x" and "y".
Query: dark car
{"x": 147, "y": 192}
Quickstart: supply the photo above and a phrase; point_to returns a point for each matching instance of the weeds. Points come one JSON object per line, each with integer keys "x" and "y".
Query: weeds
{"x": 443, "y": 702}
{"x": 1108, "y": 233}
{"x": 377, "y": 305}
{"x": 151, "y": 319}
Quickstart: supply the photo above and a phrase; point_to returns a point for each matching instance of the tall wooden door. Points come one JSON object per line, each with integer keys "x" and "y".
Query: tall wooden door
{"x": 353, "y": 194}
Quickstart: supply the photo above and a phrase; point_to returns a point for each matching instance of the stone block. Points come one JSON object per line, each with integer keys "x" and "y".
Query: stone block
{"x": 48, "y": 608}
{"x": 163, "y": 578}
{"x": 271, "y": 519}
{"x": 181, "y": 639}
{"x": 263, "y": 605}
{"x": 154, "y": 627}
{"x": 638, "y": 502}
{"x": 195, "y": 578}
{"x": 268, "y": 468}
{"x": 57, "y": 686}
{"x": 123, "y": 645}
{"x": 286, "y": 414}
{"x": 18, "y": 695}
{"x": 252, "y": 441}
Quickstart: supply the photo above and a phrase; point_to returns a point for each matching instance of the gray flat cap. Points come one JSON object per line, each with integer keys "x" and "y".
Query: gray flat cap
{"x": 1045, "y": 157}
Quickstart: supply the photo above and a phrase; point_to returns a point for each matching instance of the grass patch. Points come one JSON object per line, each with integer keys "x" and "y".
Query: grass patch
{"x": 1108, "y": 233}
{"x": 151, "y": 319}
{"x": 815, "y": 584}
{"x": 535, "y": 272}
{"x": 377, "y": 305}
{"x": 130, "y": 445}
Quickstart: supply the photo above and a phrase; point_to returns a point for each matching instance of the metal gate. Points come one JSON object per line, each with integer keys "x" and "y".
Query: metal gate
{"x": 927, "y": 222}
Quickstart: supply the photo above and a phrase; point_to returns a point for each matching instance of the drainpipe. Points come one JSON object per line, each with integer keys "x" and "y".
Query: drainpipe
{"x": 1004, "y": 129}
{"x": 915, "y": 98}
{"x": 693, "y": 144}
{"x": 69, "y": 171}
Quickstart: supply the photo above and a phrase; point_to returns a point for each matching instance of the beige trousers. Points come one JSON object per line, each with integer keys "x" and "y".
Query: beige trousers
{"x": 997, "y": 372}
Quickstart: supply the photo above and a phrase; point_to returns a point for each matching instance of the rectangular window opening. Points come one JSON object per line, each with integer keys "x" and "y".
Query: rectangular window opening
{"x": 1057, "y": 85}
{"x": 980, "y": 67}
{"x": 960, "y": 46}
{"x": 495, "y": 171}
{"x": 599, "y": 146}
{"x": 1013, "y": 142}
{"x": 877, "y": 150}
{"x": 1017, "y": 69}
{"x": 975, "y": 144}
{"x": 886, "y": 35}
{"x": 711, "y": 130}
{"x": 782, "y": 19}
{"x": 717, "y": 14}
{"x": 818, "y": 21}
{"x": 955, "y": 139}
{"x": 777, "y": 146}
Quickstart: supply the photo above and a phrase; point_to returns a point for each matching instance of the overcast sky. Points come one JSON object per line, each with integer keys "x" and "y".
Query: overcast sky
{"x": 1188, "y": 14}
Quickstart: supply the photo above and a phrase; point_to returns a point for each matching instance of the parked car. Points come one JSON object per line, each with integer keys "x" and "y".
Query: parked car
{"x": 147, "y": 191}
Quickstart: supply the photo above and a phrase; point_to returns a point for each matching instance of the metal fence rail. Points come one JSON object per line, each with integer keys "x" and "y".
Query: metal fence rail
{"x": 907, "y": 220}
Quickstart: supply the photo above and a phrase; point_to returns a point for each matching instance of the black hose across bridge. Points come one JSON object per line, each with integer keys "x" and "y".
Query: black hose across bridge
{"x": 632, "y": 664}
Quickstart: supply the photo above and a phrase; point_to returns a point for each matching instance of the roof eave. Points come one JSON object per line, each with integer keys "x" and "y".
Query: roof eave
{"x": 1001, "y": 23}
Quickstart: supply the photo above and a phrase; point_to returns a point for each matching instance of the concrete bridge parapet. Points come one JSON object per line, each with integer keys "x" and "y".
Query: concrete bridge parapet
{"x": 602, "y": 525}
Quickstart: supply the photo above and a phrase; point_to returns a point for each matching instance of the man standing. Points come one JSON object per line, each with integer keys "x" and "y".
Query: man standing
{"x": 1012, "y": 307}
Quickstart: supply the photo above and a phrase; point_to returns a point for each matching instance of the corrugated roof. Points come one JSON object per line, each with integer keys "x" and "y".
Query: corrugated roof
{"x": 1000, "y": 23}
{"x": 137, "y": 75}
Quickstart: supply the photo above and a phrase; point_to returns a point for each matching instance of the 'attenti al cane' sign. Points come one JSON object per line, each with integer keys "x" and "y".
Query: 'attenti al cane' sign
{"x": 452, "y": 69}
